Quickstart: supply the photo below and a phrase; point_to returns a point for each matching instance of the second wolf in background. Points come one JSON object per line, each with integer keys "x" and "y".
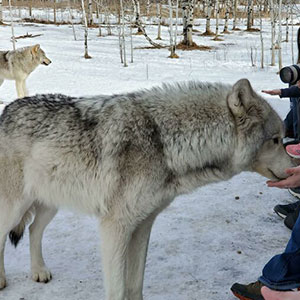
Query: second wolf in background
{"x": 18, "y": 64}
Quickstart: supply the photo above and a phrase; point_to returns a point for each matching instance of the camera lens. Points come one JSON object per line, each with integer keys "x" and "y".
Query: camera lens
{"x": 290, "y": 74}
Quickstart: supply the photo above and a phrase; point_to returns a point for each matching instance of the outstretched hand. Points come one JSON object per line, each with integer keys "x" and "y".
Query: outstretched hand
{"x": 291, "y": 182}
{"x": 272, "y": 92}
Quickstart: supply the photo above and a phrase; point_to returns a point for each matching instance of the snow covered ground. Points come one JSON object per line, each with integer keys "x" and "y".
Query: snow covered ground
{"x": 202, "y": 243}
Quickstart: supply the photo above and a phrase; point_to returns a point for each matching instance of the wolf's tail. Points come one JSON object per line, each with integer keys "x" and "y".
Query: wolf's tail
{"x": 16, "y": 234}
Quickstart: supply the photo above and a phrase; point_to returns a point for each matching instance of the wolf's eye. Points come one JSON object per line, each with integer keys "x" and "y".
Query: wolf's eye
{"x": 276, "y": 140}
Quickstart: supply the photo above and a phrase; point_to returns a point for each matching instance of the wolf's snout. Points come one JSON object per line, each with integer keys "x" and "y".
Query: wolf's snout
{"x": 47, "y": 62}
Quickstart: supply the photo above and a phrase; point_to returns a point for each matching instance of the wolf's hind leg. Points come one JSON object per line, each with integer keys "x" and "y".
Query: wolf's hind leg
{"x": 10, "y": 216}
{"x": 24, "y": 88}
{"x": 43, "y": 217}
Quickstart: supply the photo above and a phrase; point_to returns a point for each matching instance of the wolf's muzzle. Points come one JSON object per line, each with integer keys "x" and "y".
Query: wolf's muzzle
{"x": 47, "y": 62}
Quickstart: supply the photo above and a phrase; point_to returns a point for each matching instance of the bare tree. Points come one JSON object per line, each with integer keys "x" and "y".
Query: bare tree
{"x": 90, "y": 12}
{"x": 158, "y": 17}
{"x": 1, "y": 13}
{"x": 13, "y": 39}
{"x": 217, "y": 18}
{"x": 86, "y": 54}
{"x": 187, "y": 16}
{"x": 136, "y": 5}
{"x": 71, "y": 19}
{"x": 261, "y": 36}
{"x": 172, "y": 40}
{"x": 123, "y": 32}
{"x": 249, "y": 13}
{"x": 226, "y": 2}
{"x": 272, "y": 32}
{"x": 279, "y": 35}
{"x": 209, "y": 6}
{"x": 235, "y": 6}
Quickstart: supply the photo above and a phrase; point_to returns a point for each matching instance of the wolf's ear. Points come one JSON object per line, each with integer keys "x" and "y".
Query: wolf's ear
{"x": 35, "y": 48}
{"x": 240, "y": 97}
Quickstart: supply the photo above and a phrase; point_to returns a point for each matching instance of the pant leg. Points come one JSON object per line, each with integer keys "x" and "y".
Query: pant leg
{"x": 282, "y": 272}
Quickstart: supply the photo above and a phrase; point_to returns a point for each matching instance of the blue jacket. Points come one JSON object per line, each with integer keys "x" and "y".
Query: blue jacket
{"x": 291, "y": 92}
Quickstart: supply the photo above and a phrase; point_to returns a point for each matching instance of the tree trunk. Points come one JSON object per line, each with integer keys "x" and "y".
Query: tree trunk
{"x": 279, "y": 35}
{"x": 12, "y": 26}
{"x": 261, "y": 36}
{"x": 298, "y": 45}
{"x": 90, "y": 13}
{"x": 158, "y": 16}
{"x": 249, "y": 12}
{"x": 172, "y": 43}
{"x": 272, "y": 32}
{"x": 235, "y": 5}
{"x": 287, "y": 23}
{"x": 136, "y": 4}
{"x": 187, "y": 16}
{"x": 217, "y": 17}
{"x": 71, "y": 18}
{"x": 209, "y": 6}
{"x": 86, "y": 54}
{"x": 226, "y": 16}
{"x": 123, "y": 32}
{"x": 1, "y": 13}
{"x": 292, "y": 41}
{"x": 54, "y": 11}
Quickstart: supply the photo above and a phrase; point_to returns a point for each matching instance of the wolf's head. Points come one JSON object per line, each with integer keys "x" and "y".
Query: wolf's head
{"x": 39, "y": 55}
{"x": 260, "y": 129}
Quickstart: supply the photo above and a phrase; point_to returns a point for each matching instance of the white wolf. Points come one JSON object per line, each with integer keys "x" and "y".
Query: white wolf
{"x": 124, "y": 158}
{"x": 18, "y": 64}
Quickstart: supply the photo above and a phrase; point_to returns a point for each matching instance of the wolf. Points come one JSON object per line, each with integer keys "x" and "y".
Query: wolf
{"x": 124, "y": 158}
{"x": 18, "y": 64}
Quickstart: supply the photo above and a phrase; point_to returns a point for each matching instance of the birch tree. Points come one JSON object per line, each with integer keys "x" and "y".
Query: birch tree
{"x": 187, "y": 16}
{"x": 1, "y": 13}
{"x": 90, "y": 13}
{"x": 217, "y": 18}
{"x": 279, "y": 35}
{"x": 172, "y": 39}
{"x": 272, "y": 32}
{"x": 226, "y": 16}
{"x": 123, "y": 33}
{"x": 209, "y": 6}
{"x": 158, "y": 17}
{"x": 261, "y": 36}
{"x": 249, "y": 13}
{"x": 235, "y": 6}
{"x": 86, "y": 54}
{"x": 12, "y": 26}
{"x": 136, "y": 5}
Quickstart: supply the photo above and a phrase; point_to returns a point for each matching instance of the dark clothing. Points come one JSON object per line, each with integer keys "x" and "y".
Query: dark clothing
{"x": 282, "y": 272}
{"x": 290, "y": 92}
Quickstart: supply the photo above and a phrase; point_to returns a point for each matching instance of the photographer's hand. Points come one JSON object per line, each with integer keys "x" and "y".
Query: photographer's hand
{"x": 272, "y": 92}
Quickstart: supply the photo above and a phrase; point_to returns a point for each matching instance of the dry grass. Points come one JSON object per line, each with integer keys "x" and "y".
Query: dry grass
{"x": 194, "y": 46}
{"x": 252, "y": 30}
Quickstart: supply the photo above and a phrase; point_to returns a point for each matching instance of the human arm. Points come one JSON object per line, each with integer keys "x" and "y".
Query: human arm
{"x": 292, "y": 181}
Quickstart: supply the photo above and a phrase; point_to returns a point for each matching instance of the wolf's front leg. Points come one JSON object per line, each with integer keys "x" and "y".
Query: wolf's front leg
{"x": 2, "y": 271}
{"x": 136, "y": 259}
{"x": 24, "y": 88}
{"x": 19, "y": 87}
{"x": 43, "y": 217}
{"x": 114, "y": 243}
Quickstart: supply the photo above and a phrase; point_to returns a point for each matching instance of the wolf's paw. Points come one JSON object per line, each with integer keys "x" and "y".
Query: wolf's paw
{"x": 2, "y": 283}
{"x": 41, "y": 274}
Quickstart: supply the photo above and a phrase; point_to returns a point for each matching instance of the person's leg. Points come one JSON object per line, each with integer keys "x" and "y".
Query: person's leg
{"x": 283, "y": 271}
{"x": 269, "y": 294}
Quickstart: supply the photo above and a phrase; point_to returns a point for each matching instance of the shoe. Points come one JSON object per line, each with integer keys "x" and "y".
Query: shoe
{"x": 248, "y": 292}
{"x": 295, "y": 192}
{"x": 282, "y": 210}
{"x": 293, "y": 150}
{"x": 291, "y": 218}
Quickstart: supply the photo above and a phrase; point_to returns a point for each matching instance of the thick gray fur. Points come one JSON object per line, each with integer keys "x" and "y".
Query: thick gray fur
{"x": 124, "y": 158}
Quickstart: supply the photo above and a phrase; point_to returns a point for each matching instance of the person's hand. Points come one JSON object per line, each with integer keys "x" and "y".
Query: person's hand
{"x": 272, "y": 92}
{"x": 291, "y": 182}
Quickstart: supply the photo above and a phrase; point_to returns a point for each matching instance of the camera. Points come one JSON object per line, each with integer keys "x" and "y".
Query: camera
{"x": 290, "y": 74}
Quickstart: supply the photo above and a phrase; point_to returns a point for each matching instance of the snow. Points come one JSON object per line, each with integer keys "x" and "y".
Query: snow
{"x": 203, "y": 242}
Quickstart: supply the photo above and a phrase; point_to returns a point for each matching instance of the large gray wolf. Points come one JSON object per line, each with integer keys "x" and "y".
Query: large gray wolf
{"x": 123, "y": 159}
{"x": 18, "y": 64}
